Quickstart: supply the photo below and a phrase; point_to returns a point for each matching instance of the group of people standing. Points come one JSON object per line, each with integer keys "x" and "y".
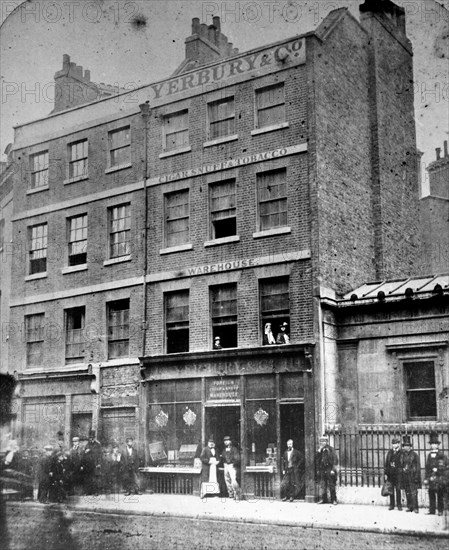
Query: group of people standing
{"x": 403, "y": 472}
{"x": 84, "y": 469}
{"x": 213, "y": 462}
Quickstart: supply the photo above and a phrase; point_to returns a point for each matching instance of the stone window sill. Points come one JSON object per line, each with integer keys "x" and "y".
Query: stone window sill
{"x": 271, "y": 128}
{"x": 75, "y": 179}
{"x": 180, "y": 248}
{"x": 37, "y": 190}
{"x": 272, "y": 232}
{"x": 223, "y": 240}
{"x": 73, "y": 268}
{"x": 217, "y": 141}
{"x": 120, "y": 260}
{"x": 175, "y": 152}
{"x": 42, "y": 275}
{"x": 117, "y": 168}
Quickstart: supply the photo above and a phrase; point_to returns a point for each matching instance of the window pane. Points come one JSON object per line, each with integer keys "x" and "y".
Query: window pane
{"x": 118, "y": 329}
{"x": 177, "y": 218}
{"x": 177, "y": 321}
{"x": 120, "y": 231}
{"x": 272, "y": 190}
{"x": 119, "y": 147}
{"x": 222, "y": 118}
{"x": 176, "y": 130}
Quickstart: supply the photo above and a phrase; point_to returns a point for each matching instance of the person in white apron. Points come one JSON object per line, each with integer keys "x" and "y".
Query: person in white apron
{"x": 209, "y": 458}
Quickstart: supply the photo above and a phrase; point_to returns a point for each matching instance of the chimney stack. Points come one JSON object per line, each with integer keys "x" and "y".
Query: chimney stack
{"x": 445, "y": 149}
{"x": 438, "y": 152}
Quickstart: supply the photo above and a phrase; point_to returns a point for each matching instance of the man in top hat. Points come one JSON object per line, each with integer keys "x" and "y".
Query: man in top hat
{"x": 91, "y": 464}
{"x": 209, "y": 458}
{"x": 45, "y": 474}
{"x": 283, "y": 337}
{"x": 411, "y": 474}
{"x": 293, "y": 464}
{"x": 436, "y": 467}
{"x": 74, "y": 467}
{"x": 231, "y": 462}
{"x": 326, "y": 463}
{"x": 393, "y": 472}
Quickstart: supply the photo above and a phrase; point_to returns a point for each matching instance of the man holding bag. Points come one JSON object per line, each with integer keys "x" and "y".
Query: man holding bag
{"x": 393, "y": 470}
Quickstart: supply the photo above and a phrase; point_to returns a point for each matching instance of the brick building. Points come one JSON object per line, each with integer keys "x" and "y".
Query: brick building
{"x": 434, "y": 211}
{"x": 229, "y": 196}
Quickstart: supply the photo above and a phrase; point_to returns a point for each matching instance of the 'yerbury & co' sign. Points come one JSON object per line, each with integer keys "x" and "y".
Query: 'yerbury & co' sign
{"x": 257, "y": 63}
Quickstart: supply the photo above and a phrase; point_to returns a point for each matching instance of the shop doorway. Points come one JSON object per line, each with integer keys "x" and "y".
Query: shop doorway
{"x": 292, "y": 427}
{"x": 221, "y": 421}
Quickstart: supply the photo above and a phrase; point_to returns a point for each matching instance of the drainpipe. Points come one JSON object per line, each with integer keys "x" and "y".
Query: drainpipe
{"x": 145, "y": 112}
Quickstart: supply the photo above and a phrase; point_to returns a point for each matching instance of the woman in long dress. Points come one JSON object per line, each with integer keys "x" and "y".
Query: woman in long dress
{"x": 209, "y": 458}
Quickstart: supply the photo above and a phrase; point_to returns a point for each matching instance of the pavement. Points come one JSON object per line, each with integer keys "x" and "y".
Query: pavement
{"x": 376, "y": 519}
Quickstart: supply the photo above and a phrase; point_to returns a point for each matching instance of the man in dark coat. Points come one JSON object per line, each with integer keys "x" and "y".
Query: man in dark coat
{"x": 326, "y": 463}
{"x": 393, "y": 472}
{"x": 74, "y": 464}
{"x": 130, "y": 466}
{"x": 292, "y": 468}
{"x": 91, "y": 465}
{"x": 436, "y": 467}
{"x": 44, "y": 474}
{"x": 411, "y": 474}
{"x": 59, "y": 477}
{"x": 209, "y": 458}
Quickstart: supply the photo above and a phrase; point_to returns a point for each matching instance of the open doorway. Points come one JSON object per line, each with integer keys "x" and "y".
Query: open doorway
{"x": 221, "y": 421}
{"x": 292, "y": 427}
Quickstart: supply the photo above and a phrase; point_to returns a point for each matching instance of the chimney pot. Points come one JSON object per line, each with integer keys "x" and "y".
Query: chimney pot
{"x": 195, "y": 25}
{"x": 216, "y": 22}
{"x": 65, "y": 60}
{"x": 438, "y": 151}
{"x": 87, "y": 74}
{"x": 445, "y": 149}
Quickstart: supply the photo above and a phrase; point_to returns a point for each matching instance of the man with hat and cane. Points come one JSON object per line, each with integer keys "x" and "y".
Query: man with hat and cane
{"x": 411, "y": 474}
{"x": 393, "y": 472}
{"x": 209, "y": 458}
{"x": 231, "y": 461}
{"x": 326, "y": 463}
{"x": 436, "y": 466}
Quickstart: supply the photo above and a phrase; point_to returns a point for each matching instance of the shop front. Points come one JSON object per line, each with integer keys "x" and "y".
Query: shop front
{"x": 259, "y": 397}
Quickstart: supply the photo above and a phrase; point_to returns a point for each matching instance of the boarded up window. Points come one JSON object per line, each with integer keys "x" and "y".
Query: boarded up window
{"x": 221, "y": 118}
{"x": 118, "y": 329}
{"x": 117, "y": 425}
{"x": 272, "y": 192}
{"x": 176, "y": 130}
{"x": 177, "y": 218}
{"x": 270, "y": 104}
{"x": 177, "y": 321}
{"x": 42, "y": 421}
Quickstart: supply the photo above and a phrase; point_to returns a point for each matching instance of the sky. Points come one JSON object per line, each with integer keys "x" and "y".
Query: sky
{"x": 130, "y": 43}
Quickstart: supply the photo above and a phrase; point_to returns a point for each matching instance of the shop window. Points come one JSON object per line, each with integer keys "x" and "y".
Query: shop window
{"x": 177, "y": 321}
{"x": 272, "y": 196}
{"x": 270, "y": 105}
{"x": 78, "y": 159}
{"x": 177, "y": 218}
{"x": 41, "y": 422}
{"x": 223, "y": 210}
{"x": 35, "y": 339}
{"x": 176, "y": 130}
{"x": 420, "y": 390}
{"x": 120, "y": 147}
{"x": 275, "y": 307}
{"x": 78, "y": 240}
{"x": 221, "y": 118}
{"x": 38, "y": 248}
{"x": 261, "y": 434}
{"x": 39, "y": 170}
{"x": 224, "y": 314}
{"x": 118, "y": 329}
{"x": 120, "y": 231}
{"x": 74, "y": 334}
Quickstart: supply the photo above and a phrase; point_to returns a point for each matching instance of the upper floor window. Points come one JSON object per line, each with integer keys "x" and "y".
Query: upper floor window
{"x": 120, "y": 146}
{"x": 78, "y": 240}
{"x": 34, "y": 326}
{"x": 118, "y": 329}
{"x": 78, "y": 159}
{"x": 39, "y": 170}
{"x": 38, "y": 248}
{"x": 275, "y": 310}
{"x": 74, "y": 334}
{"x": 120, "y": 231}
{"x": 221, "y": 118}
{"x": 177, "y": 321}
{"x": 272, "y": 193}
{"x": 176, "y": 130}
{"x": 224, "y": 315}
{"x": 177, "y": 218}
{"x": 420, "y": 390}
{"x": 270, "y": 105}
{"x": 222, "y": 209}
